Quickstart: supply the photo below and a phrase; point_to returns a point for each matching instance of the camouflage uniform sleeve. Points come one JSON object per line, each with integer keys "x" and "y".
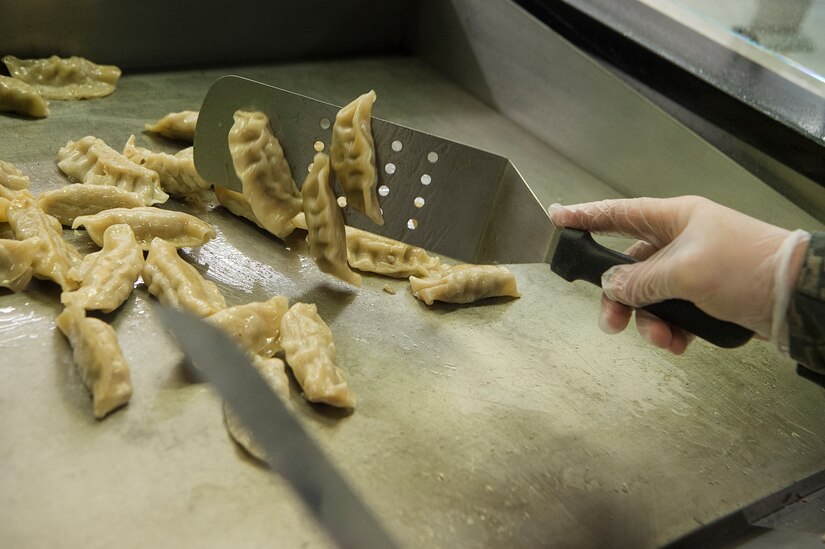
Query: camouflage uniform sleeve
{"x": 806, "y": 311}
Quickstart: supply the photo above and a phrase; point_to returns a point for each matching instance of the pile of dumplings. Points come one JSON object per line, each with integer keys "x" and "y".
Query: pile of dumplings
{"x": 115, "y": 196}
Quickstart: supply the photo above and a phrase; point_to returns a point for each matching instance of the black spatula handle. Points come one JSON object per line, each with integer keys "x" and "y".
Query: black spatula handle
{"x": 579, "y": 257}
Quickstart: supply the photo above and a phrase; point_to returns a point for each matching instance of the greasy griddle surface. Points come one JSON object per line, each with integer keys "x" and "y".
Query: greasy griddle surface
{"x": 510, "y": 423}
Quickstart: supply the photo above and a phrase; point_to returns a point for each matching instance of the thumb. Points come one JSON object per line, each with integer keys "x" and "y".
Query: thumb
{"x": 638, "y": 284}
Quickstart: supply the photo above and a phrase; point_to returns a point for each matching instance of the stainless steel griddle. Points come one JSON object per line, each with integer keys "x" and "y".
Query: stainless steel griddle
{"x": 513, "y": 423}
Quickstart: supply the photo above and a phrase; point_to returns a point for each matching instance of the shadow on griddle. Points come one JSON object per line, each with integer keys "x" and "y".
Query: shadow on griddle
{"x": 158, "y": 141}
{"x": 812, "y": 376}
{"x": 43, "y": 290}
{"x": 20, "y": 116}
{"x": 326, "y": 414}
{"x": 439, "y": 307}
{"x": 187, "y": 373}
{"x": 331, "y": 297}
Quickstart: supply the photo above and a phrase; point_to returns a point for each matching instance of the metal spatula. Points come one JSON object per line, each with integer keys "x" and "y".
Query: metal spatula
{"x": 443, "y": 196}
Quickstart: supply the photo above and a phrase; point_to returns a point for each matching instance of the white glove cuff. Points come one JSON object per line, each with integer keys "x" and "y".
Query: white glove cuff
{"x": 783, "y": 288}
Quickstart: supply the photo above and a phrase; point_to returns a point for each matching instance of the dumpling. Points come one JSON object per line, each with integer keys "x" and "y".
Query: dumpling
{"x": 177, "y": 173}
{"x": 12, "y": 178}
{"x": 7, "y": 196}
{"x": 273, "y": 372}
{"x": 89, "y": 160}
{"x": 17, "y": 96}
{"x": 267, "y": 180}
{"x": 237, "y": 203}
{"x": 300, "y": 221}
{"x": 107, "y": 277}
{"x": 11, "y": 194}
{"x": 325, "y": 223}
{"x": 75, "y": 200}
{"x": 378, "y": 254}
{"x": 176, "y": 125}
{"x": 353, "y": 156}
{"x": 310, "y": 353}
{"x": 13, "y": 185}
{"x": 177, "y": 283}
{"x": 16, "y": 258}
{"x": 55, "y": 257}
{"x": 98, "y": 358}
{"x": 465, "y": 284}
{"x": 65, "y": 78}
{"x": 254, "y": 326}
{"x": 177, "y": 228}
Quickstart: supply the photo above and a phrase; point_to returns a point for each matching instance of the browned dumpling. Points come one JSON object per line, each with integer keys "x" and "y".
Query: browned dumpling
{"x": 378, "y": 254}
{"x": 310, "y": 353}
{"x": 17, "y": 96}
{"x": 176, "y": 125}
{"x": 177, "y": 283}
{"x": 325, "y": 223}
{"x": 177, "y": 173}
{"x": 65, "y": 78}
{"x": 256, "y": 326}
{"x": 55, "y": 257}
{"x": 177, "y": 228}
{"x": 91, "y": 161}
{"x": 107, "y": 277}
{"x": 465, "y": 284}
{"x": 75, "y": 200}
{"x": 353, "y": 156}
{"x": 264, "y": 172}
{"x": 16, "y": 258}
{"x": 98, "y": 358}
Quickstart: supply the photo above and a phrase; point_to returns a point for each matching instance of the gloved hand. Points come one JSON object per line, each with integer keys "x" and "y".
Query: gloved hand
{"x": 730, "y": 265}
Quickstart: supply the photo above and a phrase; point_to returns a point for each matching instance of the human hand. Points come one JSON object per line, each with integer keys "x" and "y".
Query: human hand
{"x": 732, "y": 266}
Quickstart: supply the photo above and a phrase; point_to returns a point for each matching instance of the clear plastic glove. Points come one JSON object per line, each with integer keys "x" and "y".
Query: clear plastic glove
{"x": 730, "y": 265}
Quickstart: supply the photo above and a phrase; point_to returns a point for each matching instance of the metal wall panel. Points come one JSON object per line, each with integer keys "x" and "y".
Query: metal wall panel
{"x": 157, "y": 33}
{"x": 532, "y": 75}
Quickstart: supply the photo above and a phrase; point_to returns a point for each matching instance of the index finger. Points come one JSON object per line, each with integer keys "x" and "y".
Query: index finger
{"x": 656, "y": 220}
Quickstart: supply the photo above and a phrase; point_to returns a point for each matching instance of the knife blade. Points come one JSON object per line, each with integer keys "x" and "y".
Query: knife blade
{"x": 291, "y": 451}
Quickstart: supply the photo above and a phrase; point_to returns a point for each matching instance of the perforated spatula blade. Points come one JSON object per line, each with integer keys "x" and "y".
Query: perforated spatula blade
{"x": 446, "y": 197}
{"x": 438, "y": 194}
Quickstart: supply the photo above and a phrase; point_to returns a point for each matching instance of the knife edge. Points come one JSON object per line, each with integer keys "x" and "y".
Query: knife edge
{"x": 289, "y": 448}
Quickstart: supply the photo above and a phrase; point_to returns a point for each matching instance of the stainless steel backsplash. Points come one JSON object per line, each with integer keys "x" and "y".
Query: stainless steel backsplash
{"x": 158, "y": 34}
